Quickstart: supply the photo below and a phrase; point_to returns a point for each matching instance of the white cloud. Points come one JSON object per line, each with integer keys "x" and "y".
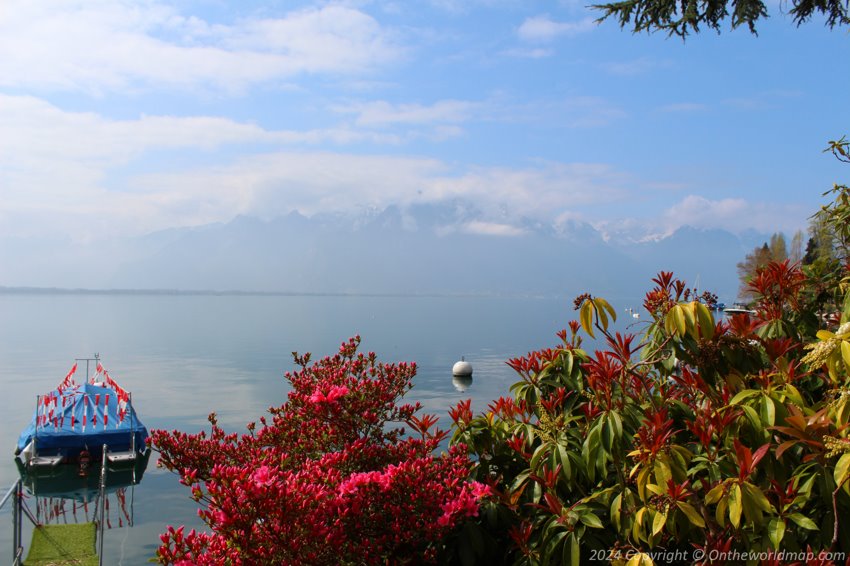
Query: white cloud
{"x": 530, "y": 53}
{"x": 492, "y": 229}
{"x": 543, "y": 29}
{"x": 104, "y": 45}
{"x": 87, "y": 176}
{"x": 382, "y": 113}
{"x": 735, "y": 215}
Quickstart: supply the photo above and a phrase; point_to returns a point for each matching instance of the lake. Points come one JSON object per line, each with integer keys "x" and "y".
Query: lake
{"x": 183, "y": 356}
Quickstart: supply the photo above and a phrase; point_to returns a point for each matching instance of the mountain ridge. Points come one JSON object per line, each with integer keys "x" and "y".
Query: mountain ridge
{"x": 446, "y": 249}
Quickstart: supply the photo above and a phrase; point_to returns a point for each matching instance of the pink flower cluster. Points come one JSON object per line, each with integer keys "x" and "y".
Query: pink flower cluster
{"x": 327, "y": 479}
{"x": 331, "y": 396}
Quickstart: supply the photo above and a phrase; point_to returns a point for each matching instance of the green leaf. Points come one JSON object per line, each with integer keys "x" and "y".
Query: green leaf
{"x": 768, "y": 410}
{"x": 564, "y": 459}
{"x": 745, "y": 394}
{"x": 803, "y": 521}
{"x": 591, "y": 520}
{"x": 753, "y": 417}
{"x": 756, "y": 495}
{"x": 775, "y": 531}
{"x": 617, "y": 424}
{"x": 615, "y": 510}
{"x": 691, "y": 513}
{"x": 793, "y": 394}
{"x": 575, "y": 550}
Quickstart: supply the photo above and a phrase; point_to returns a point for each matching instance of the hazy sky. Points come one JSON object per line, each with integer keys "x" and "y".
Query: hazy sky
{"x": 119, "y": 118}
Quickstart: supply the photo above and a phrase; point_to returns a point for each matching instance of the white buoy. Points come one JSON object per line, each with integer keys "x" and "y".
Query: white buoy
{"x": 462, "y": 368}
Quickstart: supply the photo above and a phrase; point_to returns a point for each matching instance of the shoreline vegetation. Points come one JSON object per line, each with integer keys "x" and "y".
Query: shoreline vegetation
{"x": 691, "y": 441}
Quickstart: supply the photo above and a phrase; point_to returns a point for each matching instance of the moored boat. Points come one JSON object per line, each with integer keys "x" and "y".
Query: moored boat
{"x": 76, "y": 420}
{"x": 738, "y": 308}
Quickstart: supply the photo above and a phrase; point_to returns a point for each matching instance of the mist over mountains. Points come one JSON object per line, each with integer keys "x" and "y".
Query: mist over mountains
{"x": 429, "y": 249}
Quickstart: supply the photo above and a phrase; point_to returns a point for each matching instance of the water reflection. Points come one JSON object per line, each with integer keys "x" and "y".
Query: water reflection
{"x": 185, "y": 356}
{"x": 462, "y": 382}
{"x": 63, "y": 494}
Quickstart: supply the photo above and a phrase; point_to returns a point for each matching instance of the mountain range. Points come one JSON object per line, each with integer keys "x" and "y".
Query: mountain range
{"x": 429, "y": 249}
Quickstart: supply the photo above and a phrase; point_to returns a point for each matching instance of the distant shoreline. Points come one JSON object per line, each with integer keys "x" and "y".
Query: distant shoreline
{"x": 240, "y": 293}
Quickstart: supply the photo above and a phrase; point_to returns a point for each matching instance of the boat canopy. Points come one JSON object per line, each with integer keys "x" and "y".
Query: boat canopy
{"x": 74, "y": 417}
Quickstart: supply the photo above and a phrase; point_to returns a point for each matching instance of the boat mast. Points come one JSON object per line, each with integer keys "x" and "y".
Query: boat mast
{"x": 95, "y": 359}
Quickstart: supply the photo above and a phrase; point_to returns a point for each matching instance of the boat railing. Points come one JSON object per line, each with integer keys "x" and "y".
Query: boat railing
{"x": 14, "y": 494}
{"x": 102, "y": 500}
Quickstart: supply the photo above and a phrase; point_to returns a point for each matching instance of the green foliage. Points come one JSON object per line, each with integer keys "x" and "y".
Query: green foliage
{"x": 719, "y": 436}
{"x": 685, "y": 16}
{"x": 762, "y": 255}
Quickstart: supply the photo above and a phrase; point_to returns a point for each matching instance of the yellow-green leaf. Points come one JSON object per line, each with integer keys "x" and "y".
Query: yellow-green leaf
{"x": 841, "y": 469}
{"x": 757, "y": 496}
{"x": 714, "y": 495}
{"x": 803, "y": 521}
{"x": 825, "y": 334}
{"x": 689, "y": 312}
{"x": 691, "y": 513}
{"x": 706, "y": 321}
{"x": 775, "y": 531}
{"x": 679, "y": 319}
{"x": 606, "y": 306}
{"x": 658, "y": 522}
{"x": 845, "y": 353}
{"x": 640, "y": 560}
{"x": 586, "y": 317}
{"x": 735, "y": 506}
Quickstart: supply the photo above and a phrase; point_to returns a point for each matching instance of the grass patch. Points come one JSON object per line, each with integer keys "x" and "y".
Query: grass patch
{"x": 63, "y": 545}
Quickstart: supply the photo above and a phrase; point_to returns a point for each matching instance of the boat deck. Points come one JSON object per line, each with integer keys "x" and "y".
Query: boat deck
{"x": 58, "y": 545}
{"x": 45, "y": 461}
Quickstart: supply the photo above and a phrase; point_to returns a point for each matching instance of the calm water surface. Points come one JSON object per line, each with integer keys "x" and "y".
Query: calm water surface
{"x": 185, "y": 356}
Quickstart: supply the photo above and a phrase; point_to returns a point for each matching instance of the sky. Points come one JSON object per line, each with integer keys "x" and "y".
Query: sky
{"x": 121, "y": 118}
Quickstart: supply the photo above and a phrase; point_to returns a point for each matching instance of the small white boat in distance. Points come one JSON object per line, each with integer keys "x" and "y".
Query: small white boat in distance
{"x": 738, "y": 308}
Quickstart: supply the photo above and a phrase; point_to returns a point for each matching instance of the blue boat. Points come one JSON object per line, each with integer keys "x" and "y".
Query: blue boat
{"x": 76, "y": 420}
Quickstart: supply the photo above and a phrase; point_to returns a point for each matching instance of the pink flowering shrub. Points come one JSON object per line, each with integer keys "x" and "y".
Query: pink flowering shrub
{"x": 327, "y": 479}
